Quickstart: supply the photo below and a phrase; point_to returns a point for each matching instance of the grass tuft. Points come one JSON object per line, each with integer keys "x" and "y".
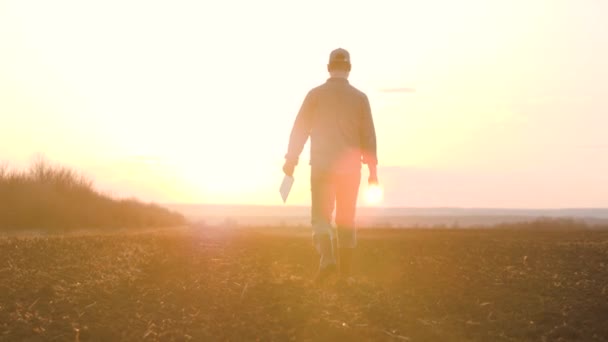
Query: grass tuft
{"x": 56, "y": 198}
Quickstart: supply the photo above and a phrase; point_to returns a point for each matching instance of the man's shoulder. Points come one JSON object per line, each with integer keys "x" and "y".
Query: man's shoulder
{"x": 357, "y": 91}
{"x": 321, "y": 87}
{"x": 357, "y": 94}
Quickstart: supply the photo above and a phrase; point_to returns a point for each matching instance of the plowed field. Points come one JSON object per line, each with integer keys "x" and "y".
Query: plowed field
{"x": 254, "y": 284}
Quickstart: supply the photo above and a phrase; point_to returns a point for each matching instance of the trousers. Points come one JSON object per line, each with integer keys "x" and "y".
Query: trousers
{"x": 329, "y": 190}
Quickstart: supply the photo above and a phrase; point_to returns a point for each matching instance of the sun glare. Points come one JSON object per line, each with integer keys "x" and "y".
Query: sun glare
{"x": 374, "y": 194}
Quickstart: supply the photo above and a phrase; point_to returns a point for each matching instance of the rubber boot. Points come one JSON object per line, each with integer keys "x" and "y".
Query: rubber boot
{"x": 327, "y": 264}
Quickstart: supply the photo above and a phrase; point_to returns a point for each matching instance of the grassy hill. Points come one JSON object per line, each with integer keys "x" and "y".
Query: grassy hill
{"x": 55, "y": 198}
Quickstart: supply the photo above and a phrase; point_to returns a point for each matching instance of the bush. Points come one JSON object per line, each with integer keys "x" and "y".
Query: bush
{"x": 56, "y": 198}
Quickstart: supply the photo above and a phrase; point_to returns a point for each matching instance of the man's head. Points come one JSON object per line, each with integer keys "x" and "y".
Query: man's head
{"x": 339, "y": 63}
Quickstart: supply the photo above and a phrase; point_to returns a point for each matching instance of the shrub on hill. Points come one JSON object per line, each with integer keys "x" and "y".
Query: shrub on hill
{"x": 46, "y": 197}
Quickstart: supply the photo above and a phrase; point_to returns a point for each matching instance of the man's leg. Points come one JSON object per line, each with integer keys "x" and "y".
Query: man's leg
{"x": 323, "y": 198}
{"x": 347, "y": 190}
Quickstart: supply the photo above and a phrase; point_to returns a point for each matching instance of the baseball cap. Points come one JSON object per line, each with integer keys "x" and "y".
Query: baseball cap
{"x": 339, "y": 59}
{"x": 339, "y": 55}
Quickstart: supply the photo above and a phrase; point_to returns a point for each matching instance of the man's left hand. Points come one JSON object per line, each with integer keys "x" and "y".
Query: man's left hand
{"x": 373, "y": 179}
{"x": 373, "y": 175}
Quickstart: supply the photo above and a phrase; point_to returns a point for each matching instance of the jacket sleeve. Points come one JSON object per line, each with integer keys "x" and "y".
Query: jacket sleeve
{"x": 368, "y": 135}
{"x": 301, "y": 129}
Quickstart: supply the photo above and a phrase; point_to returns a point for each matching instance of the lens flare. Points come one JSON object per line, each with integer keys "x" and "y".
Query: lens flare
{"x": 374, "y": 194}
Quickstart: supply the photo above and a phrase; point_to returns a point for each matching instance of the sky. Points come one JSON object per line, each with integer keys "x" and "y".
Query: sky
{"x": 476, "y": 103}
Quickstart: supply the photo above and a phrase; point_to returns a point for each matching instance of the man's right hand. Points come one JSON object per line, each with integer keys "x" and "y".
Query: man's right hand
{"x": 373, "y": 175}
{"x": 288, "y": 168}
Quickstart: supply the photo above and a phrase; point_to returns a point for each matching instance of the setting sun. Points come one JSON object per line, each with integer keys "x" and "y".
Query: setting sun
{"x": 374, "y": 194}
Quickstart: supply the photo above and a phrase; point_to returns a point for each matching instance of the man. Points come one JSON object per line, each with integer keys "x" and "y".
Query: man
{"x": 338, "y": 119}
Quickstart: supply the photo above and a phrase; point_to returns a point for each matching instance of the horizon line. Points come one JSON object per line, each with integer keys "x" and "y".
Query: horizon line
{"x": 388, "y": 207}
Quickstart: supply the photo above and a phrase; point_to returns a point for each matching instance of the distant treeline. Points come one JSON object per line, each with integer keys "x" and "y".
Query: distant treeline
{"x": 536, "y": 224}
{"x": 47, "y": 197}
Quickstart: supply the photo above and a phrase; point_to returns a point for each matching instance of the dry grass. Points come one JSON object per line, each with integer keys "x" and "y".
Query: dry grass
{"x": 54, "y": 198}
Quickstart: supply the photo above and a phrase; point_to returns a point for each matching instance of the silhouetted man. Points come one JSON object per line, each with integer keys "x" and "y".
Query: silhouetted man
{"x": 338, "y": 119}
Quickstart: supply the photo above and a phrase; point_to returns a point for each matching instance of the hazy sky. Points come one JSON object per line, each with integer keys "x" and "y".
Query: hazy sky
{"x": 180, "y": 101}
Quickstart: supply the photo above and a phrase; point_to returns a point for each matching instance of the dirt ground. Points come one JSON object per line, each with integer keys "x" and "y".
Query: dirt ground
{"x": 254, "y": 284}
